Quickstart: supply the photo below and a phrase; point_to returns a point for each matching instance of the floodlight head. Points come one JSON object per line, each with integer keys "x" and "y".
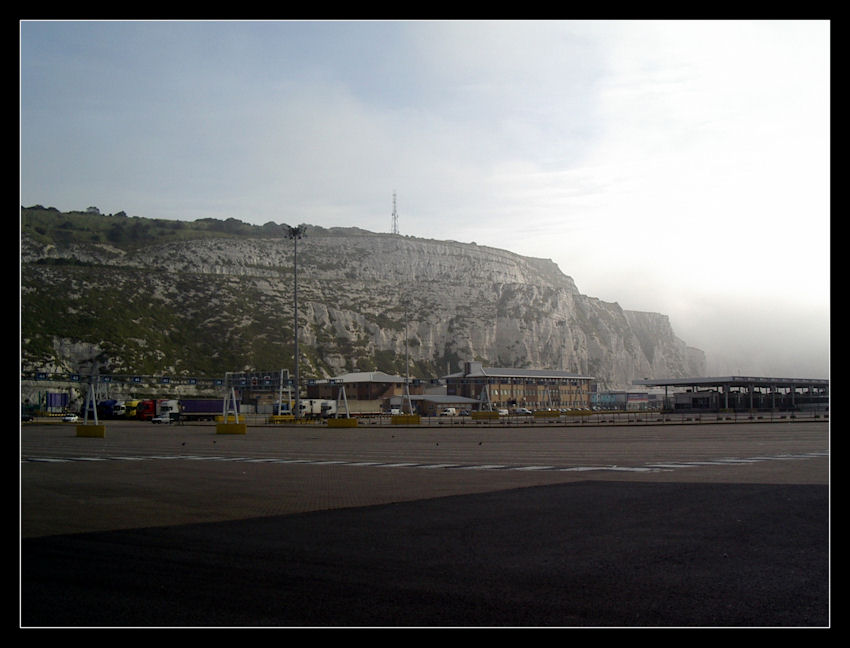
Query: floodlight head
{"x": 297, "y": 232}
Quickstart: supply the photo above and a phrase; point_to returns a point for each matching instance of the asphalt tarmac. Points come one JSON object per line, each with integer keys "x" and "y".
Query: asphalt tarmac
{"x": 684, "y": 526}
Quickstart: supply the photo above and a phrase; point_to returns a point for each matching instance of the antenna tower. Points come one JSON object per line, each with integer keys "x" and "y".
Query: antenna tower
{"x": 395, "y": 216}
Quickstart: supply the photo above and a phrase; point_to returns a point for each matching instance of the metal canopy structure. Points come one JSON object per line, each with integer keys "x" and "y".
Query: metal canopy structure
{"x": 748, "y": 390}
{"x": 737, "y": 381}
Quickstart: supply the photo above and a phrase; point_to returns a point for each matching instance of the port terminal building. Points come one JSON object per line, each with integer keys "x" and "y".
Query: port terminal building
{"x": 742, "y": 393}
{"x": 475, "y": 387}
{"x": 507, "y": 388}
{"x": 367, "y": 392}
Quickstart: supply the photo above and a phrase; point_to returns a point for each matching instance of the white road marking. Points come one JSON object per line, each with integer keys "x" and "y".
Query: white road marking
{"x": 649, "y": 467}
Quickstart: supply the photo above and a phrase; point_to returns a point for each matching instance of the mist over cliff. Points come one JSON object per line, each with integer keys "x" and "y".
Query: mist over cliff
{"x": 181, "y": 300}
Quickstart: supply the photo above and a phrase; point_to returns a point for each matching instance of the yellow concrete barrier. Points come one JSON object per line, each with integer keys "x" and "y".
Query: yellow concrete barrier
{"x": 281, "y": 418}
{"x": 231, "y": 428}
{"x": 98, "y": 431}
{"x": 546, "y": 414}
{"x": 342, "y": 422}
{"x": 230, "y": 419}
{"x": 405, "y": 419}
{"x": 476, "y": 416}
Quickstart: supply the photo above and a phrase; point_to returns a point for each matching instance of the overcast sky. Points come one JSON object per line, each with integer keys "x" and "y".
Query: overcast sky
{"x": 672, "y": 166}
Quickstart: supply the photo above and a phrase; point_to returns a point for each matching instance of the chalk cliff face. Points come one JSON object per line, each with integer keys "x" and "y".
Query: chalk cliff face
{"x": 365, "y": 302}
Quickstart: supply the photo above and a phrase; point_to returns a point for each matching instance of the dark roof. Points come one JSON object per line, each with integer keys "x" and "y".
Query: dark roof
{"x": 441, "y": 399}
{"x": 739, "y": 381}
{"x": 501, "y": 372}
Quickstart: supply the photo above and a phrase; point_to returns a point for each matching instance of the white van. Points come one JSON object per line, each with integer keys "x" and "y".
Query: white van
{"x": 449, "y": 411}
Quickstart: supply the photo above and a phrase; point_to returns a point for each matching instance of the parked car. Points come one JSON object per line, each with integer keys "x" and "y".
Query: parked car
{"x": 70, "y": 418}
{"x": 503, "y": 412}
{"x": 523, "y": 411}
{"x": 26, "y": 417}
{"x": 162, "y": 418}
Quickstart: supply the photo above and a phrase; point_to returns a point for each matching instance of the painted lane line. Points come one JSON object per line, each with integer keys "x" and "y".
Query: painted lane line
{"x": 651, "y": 467}
{"x": 610, "y": 468}
{"x": 293, "y": 461}
{"x": 736, "y": 461}
{"x": 716, "y": 462}
{"x": 583, "y": 468}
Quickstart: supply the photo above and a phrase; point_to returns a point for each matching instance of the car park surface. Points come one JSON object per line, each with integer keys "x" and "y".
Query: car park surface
{"x": 709, "y": 525}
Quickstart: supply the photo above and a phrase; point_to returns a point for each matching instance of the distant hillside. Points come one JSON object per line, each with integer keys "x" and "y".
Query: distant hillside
{"x": 177, "y": 298}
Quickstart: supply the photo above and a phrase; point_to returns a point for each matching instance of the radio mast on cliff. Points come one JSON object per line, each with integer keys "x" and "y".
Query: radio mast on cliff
{"x": 395, "y": 216}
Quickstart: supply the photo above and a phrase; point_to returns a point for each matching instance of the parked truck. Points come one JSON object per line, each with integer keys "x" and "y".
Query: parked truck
{"x": 108, "y": 409}
{"x": 146, "y": 410}
{"x": 149, "y": 409}
{"x": 282, "y": 409}
{"x": 202, "y": 409}
{"x": 317, "y": 408}
{"x": 130, "y": 408}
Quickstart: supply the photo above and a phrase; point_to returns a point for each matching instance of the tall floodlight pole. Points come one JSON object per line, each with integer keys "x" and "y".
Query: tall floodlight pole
{"x": 406, "y": 393}
{"x": 296, "y": 233}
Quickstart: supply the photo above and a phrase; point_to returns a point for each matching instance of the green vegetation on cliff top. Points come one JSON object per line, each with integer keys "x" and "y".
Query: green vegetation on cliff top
{"x": 49, "y": 225}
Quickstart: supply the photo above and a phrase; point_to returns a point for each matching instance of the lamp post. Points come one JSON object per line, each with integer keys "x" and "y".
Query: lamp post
{"x": 296, "y": 233}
